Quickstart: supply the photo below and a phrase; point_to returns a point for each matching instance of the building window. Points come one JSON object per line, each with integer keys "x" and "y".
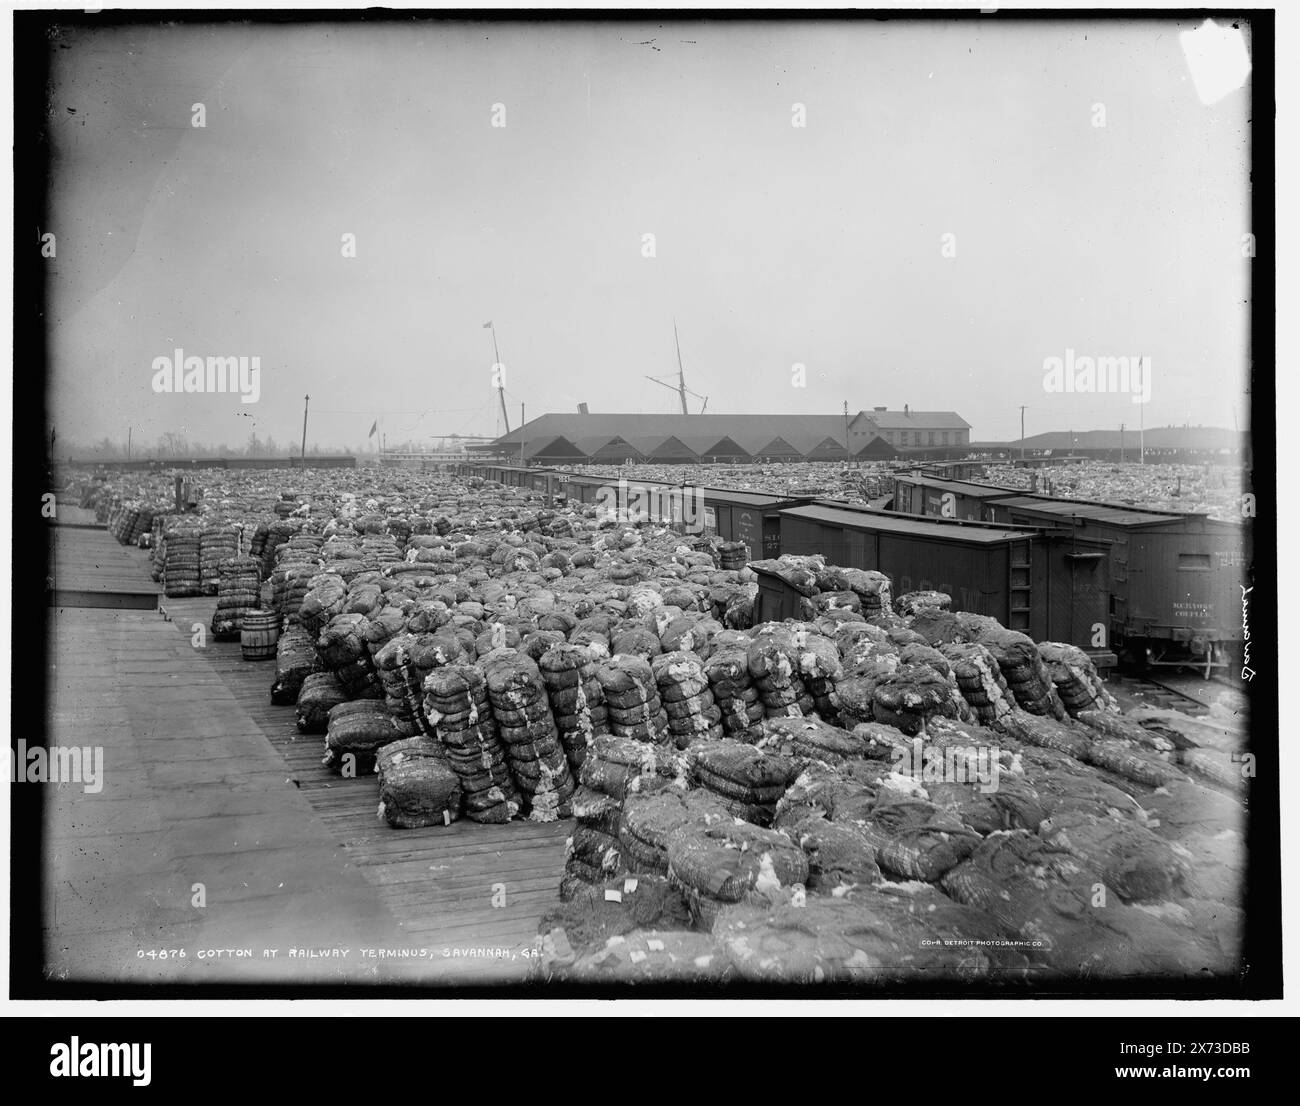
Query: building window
{"x": 916, "y": 437}
{"x": 945, "y": 437}
{"x": 931, "y": 437}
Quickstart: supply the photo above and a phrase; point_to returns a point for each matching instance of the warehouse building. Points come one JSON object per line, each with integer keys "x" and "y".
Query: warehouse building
{"x": 878, "y": 434}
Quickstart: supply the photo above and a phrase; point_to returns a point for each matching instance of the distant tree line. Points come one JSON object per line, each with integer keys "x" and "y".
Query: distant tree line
{"x": 172, "y": 444}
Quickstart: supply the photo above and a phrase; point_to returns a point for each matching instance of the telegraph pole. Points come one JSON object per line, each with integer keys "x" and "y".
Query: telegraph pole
{"x": 305, "y": 401}
{"x": 1022, "y": 432}
{"x": 521, "y": 436}
{"x": 848, "y": 456}
{"x": 128, "y": 443}
{"x": 1121, "y": 443}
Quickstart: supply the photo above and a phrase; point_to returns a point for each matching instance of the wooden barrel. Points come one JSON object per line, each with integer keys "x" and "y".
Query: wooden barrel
{"x": 259, "y": 635}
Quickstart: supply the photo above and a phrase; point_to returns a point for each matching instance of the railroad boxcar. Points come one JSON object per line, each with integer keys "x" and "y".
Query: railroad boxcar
{"x": 1176, "y": 579}
{"x": 1043, "y": 581}
{"x": 751, "y": 517}
{"x": 930, "y": 496}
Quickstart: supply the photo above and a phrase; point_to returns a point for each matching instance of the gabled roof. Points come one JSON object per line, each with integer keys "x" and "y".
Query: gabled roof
{"x": 555, "y": 447}
{"x": 777, "y": 447}
{"x": 655, "y": 445}
{"x": 827, "y": 447}
{"x": 706, "y": 445}
{"x": 916, "y": 420}
{"x": 604, "y": 444}
{"x": 751, "y": 433}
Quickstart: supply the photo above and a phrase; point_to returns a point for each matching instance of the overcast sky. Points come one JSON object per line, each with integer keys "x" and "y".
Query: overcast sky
{"x": 775, "y": 245}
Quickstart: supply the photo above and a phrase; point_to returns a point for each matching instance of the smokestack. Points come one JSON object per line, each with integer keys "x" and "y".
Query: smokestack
{"x": 907, "y": 410}
{"x": 582, "y": 409}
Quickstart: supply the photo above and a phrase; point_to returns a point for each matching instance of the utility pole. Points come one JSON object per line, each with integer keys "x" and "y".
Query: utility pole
{"x": 305, "y": 401}
{"x": 1022, "y": 432}
{"x": 522, "y": 420}
{"x": 128, "y": 443}
{"x": 1121, "y": 443}
{"x": 848, "y": 456}
{"x": 1142, "y": 436}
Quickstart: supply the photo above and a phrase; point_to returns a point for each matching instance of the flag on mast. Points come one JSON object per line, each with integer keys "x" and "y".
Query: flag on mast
{"x": 373, "y": 429}
{"x": 487, "y": 325}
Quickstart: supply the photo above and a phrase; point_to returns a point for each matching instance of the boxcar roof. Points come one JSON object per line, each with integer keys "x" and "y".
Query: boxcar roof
{"x": 959, "y": 487}
{"x": 1116, "y": 513}
{"x": 910, "y": 525}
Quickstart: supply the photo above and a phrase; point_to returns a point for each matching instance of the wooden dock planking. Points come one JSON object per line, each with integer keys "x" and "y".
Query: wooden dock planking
{"x": 439, "y": 882}
{"x": 88, "y": 568}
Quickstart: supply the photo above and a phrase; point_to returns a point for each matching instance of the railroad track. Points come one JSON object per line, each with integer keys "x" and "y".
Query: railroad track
{"x": 1189, "y": 694}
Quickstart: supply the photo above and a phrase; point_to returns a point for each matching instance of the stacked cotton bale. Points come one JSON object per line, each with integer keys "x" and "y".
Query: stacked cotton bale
{"x": 527, "y": 727}
{"x": 291, "y": 581}
{"x": 417, "y": 785}
{"x": 774, "y": 669}
{"x": 295, "y": 660}
{"x": 355, "y": 733}
{"x": 238, "y": 591}
{"x": 343, "y": 651}
{"x": 278, "y": 534}
{"x": 980, "y": 679}
{"x": 216, "y": 544}
{"x": 158, "y": 555}
{"x": 933, "y": 659}
{"x": 824, "y": 790}
{"x": 727, "y": 670}
{"x": 719, "y": 865}
{"x": 403, "y": 686}
{"x": 457, "y": 704}
{"x": 1025, "y": 672}
{"x": 873, "y": 590}
{"x": 576, "y": 698}
{"x": 684, "y": 692}
{"x": 915, "y": 839}
{"x": 1075, "y": 678}
{"x": 913, "y": 602}
{"x": 733, "y": 555}
{"x": 181, "y": 572}
{"x": 381, "y": 626}
{"x": 808, "y": 739}
{"x": 324, "y": 599}
{"x": 870, "y": 660}
{"x": 695, "y": 635}
{"x": 909, "y": 698}
{"x": 821, "y": 670}
{"x": 632, "y": 698}
{"x": 650, "y": 820}
{"x": 746, "y": 780}
{"x": 614, "y": 768}
{"x": 257, "y": 543}
{"x": 321, "y": 692}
